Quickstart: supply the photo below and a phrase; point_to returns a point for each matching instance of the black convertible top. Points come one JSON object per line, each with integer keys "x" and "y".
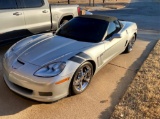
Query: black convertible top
{"x": 87, "y": 28}
{"x": 100, "y": 17}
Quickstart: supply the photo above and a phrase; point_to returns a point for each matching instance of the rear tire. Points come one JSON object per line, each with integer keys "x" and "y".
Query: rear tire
{"x": 64, "y": 22}
{"x": 130, "y": 45}
{"x": 82, "y": 78}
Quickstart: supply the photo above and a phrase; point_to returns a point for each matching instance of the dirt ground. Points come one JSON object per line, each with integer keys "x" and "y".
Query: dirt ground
{"x": 142, "y": 99}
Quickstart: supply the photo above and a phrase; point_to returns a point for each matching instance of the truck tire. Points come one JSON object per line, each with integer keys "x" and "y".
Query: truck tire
{"x": 64, "y": 22}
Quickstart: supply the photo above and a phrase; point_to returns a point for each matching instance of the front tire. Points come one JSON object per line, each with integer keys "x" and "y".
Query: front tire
{"x": 82, "y": 78}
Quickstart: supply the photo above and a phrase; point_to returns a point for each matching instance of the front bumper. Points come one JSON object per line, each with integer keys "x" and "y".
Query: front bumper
{"x": 27, "y": 85}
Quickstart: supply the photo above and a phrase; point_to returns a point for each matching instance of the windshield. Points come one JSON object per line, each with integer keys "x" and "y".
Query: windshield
{"x": 84, "y": 29}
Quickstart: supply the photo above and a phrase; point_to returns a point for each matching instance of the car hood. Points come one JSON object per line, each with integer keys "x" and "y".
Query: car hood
{"x": 50, "y": 49}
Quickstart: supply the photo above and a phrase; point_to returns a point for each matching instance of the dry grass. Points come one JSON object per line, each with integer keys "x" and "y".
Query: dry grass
{"x": 86, "y": 1}
{"x": 108, "y": 4}
{"x": 142, "y": 99}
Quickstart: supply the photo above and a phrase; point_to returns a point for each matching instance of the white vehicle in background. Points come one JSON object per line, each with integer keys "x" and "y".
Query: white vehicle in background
{"x": 21, "y": 18}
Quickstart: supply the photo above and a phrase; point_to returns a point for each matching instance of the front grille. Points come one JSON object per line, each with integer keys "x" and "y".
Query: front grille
{"x": 22, "y": 89}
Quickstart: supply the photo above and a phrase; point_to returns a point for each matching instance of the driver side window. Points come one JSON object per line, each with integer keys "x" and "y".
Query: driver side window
{"x": 118, "y": 27}
{"x": 114, "y": 27}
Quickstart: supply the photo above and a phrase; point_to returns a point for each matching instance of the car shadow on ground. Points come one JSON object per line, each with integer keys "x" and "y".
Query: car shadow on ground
{"x": 10, "y": 103}
{"x": 125, "y": 81}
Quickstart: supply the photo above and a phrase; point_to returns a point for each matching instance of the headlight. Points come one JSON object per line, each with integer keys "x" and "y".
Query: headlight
{"x": 51, "y": 70}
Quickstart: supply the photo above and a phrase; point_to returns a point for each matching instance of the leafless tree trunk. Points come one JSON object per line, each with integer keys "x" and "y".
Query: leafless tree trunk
{"x": 68, "y": 1}
{"x": 103, "y": 3}
{"x": 89, "y": 2}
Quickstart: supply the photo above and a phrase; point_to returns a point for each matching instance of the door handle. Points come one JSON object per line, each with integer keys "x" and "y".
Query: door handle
{"x": 44, "y": 11}
{"x": 17, "y": 13}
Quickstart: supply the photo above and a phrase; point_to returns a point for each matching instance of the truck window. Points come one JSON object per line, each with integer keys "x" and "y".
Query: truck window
{"x": 32, "y": 3}
{"x": 8, "y": 4}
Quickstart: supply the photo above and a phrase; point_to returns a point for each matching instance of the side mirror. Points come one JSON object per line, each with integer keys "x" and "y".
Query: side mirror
{"x": 116, "y": 36}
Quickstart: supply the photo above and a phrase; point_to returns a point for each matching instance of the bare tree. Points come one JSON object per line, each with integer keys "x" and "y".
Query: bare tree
{"x": 68, "y": 1}
{"x": 89, "y": 2}
{"x": 103, "y": 3}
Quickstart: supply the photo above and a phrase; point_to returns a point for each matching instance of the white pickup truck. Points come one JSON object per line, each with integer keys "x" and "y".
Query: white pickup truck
{"x": 21, "y": 18}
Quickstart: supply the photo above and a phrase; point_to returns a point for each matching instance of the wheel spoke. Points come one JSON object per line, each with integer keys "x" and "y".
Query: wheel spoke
{"x": 87, "y": 79}
{"x": 87, "y": 75}
{"x": 82, "y": 74}
{"x": 76, "y": 83}
{"x": 81, "y": 86}
{"x": 87, "y": 71}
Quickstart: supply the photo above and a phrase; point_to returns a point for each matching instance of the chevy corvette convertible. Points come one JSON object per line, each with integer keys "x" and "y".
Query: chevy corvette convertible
{"x": 48, "y": 67}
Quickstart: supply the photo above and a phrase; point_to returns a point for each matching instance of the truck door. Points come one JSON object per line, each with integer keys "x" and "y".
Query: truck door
{"x": 12, "y": 24}
{"x": 37, "y": 15}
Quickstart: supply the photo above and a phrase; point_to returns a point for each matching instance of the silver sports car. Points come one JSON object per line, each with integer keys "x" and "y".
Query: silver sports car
{"x": 48, "y": 67}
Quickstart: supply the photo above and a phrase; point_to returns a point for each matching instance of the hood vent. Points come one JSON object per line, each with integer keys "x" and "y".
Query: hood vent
{"x": 17, "y": 64}
{"x": 20, "y": 62}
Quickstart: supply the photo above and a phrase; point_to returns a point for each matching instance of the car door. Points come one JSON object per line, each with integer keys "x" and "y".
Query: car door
{"x": 37, "y": 15}
{"x": 114, "y": 42}
{"x": 12, "y": 24}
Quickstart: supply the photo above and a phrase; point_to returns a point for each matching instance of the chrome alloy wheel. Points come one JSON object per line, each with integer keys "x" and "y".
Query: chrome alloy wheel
{"x": 82, "y": 78}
